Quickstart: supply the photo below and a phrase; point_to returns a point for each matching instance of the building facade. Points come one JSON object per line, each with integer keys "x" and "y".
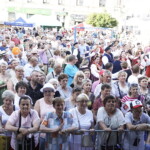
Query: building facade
{"x": 69, "y": 12}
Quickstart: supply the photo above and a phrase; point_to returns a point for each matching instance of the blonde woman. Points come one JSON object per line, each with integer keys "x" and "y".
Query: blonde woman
{"x": 78, "y": 78}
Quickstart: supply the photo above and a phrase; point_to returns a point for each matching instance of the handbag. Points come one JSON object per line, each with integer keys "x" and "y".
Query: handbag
{"x": 114, "y": 147}
{"x": 86, "y": 140}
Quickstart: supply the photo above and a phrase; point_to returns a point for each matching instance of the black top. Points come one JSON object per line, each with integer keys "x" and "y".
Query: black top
{"x": 35, "y": 94}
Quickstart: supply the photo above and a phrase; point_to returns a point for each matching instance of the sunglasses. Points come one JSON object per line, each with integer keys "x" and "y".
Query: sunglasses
{"x": 48, "y": 91}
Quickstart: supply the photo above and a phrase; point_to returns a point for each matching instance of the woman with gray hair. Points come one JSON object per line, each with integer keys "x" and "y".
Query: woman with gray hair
{"x": 121, "y": 86}
{"x": 7, "y": 108}
{"x": 5, "y": 111}
{"x": 85, "y": 121}
{"x": 19, "y": 71}
{"x": 3, "y": 78}
{"x": 86, "y": 88}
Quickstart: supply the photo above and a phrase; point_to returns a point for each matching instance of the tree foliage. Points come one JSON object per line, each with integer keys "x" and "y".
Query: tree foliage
{"x": 102, "y": 20}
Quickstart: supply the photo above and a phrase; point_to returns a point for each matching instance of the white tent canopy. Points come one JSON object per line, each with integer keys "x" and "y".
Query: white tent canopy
{"x": 41, "y": 20}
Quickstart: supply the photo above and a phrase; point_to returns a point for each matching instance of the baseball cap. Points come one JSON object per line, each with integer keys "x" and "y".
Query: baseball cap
{"x": 136, "y": 104}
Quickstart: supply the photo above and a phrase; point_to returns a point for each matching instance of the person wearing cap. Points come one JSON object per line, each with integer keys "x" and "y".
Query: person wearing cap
{"x": 84, "y": 119}
{"x": 133, "y": 94}
{"x": 137, "y": 122}
{"x": 58, "y": 124}
{"x": 44, "y": 105}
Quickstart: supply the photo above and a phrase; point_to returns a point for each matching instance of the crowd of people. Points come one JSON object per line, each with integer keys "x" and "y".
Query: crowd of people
{"x": 68, "y": 88}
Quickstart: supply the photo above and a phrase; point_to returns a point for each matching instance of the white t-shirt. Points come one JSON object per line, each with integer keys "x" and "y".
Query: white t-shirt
{"x": 113, "y": 122}
{"x": 133, "y": 79}
{"x": 84, "y": 122}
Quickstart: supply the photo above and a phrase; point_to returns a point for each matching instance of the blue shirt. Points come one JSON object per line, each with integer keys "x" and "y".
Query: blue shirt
{"x": 70, "y": 70}
{"x": 53, "y": 121}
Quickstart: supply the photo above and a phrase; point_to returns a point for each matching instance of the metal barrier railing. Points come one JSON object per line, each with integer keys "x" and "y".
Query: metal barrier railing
{"x": 85, "y": 140}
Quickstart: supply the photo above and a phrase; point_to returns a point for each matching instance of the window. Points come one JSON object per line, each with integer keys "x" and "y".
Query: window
{"x": 11, "y": 16}
{"x": 79, "y": 2}
{"x": 60, "y": 2}
{"x": 44, "y": 1}
{"x": 29, "y": 15}
{"x": 102, "y": 3}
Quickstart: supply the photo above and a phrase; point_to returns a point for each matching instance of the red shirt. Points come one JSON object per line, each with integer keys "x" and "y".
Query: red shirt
{"x": 97, "y": 104}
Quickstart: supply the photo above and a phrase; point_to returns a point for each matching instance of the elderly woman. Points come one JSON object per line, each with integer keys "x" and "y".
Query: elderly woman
{"x": 137, "y": 122}
{"x": 5, "y": 111}
{"x": 24, "y": 122}
{"x": 7, "y": 108}
{"x": 21, "y": 89}
{"x": 86, "y": 86}
{"x": 44, "y": 105}
{"x": 55, "y": 83}
{"x": 56, "y": 124}
{"x": 64, "y": 90}
{"x": 121, "y": 86}
{"x": 84, "y": 118}
{"x": 70, "y": 102}
{"x": 19, "y": 72}
{"x": 3, "y": 78}
{"x": 109, "y": 118}
{"x": 133, "y": 94}
{"x": 77, "y": 81}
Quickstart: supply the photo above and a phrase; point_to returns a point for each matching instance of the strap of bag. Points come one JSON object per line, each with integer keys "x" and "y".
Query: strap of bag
{"x": 119, "y": 89}
{"x": 108, "y": 139}
{"x": 19, "y": 122}
{"x": 78, "y": 119}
